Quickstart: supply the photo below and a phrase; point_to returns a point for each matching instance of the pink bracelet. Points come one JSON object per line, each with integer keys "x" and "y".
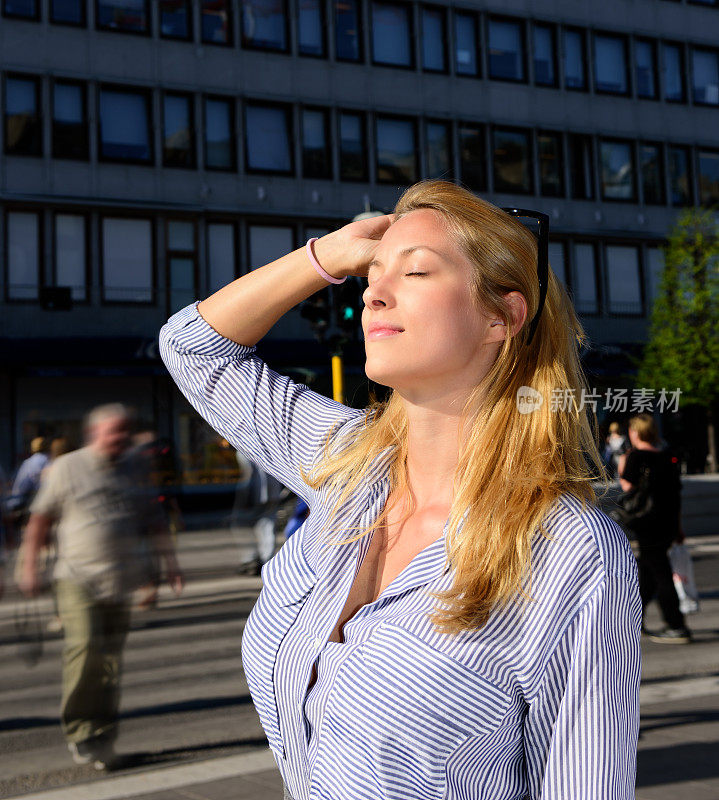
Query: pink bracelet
{"x": 315, "y": 263}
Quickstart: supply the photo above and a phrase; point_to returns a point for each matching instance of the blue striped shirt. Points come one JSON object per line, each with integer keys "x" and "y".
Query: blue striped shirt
{"x": 543, "y": 702}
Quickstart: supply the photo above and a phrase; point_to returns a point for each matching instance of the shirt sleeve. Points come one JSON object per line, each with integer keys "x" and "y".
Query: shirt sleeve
{"x": 581, "y": 730}
{"x": 52, "y": 493}
{"x": 631, "y": 468}
{"x": 279, "y": 425}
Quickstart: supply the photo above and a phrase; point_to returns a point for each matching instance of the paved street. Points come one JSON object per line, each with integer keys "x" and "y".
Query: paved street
{"x": 189, "y": 729}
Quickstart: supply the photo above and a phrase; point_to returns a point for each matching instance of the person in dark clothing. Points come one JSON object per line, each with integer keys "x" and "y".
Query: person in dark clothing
{"x": 657, "y": 529}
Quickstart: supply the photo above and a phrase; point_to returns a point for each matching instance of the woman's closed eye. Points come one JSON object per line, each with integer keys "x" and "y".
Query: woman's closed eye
{"x": 406, "y": 274}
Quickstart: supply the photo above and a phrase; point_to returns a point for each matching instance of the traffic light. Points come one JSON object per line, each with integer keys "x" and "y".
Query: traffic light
{"x": 348, "y": 306}
{"x": 316, "y": 311}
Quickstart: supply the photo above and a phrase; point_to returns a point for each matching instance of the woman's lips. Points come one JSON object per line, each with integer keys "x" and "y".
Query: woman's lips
{"x": 381, "y": 333}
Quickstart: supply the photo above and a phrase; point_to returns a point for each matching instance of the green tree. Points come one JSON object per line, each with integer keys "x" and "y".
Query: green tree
{"x": 683, "y": 346}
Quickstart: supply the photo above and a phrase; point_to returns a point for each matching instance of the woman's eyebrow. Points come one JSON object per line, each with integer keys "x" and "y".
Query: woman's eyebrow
{"x": 407, "y": 251}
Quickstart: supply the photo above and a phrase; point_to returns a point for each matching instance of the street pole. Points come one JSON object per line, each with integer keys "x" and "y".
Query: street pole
{"x": 337, "y": 382}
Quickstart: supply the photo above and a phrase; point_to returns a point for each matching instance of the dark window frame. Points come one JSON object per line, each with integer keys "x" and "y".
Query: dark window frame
{"x": 25, "y": 301}
{"x": 83, "y": 86}
{"x": 715, "y": 52}
{"x": 66, "y": 23}
{"x": 190, "y": 97}
{"x": 324, "y": 24}
{"x": 529, "y": 132}
{"x": 484, "y": 133}
{"x": 227, "y": 98}
{"x": 245, "y": 45}
{"x": 37, "y": 81}
{"x": 263, "y": 221}
{"x": 170, "y": 252}
{"x": 443, "y": 10}
{"x": 364, "y": 145}
{"x": 125, "y": 31}
{"x": 683, "y": 76}
{"x": 190, "y": 25}
{"x": 582, "y": 33}
{"x": 627, "y": 67}
{"x": 153, "y": 258}
{"x": 361, "y": 48}
{"x": 524, "y": 43}
{"x": 231, "y": 28}
{"x": 562, "y": 163}
{"x": 633, "y": 154}
{"x": 691, "y": 178}
{"x": 450, "y": 143}
{"x": 662, "y": 171}
{"x": 27, "y": 17}
{"x": 327, "y": 114}
{"x": 412, "y": 66}
{"x": 124, "y": 88}
{"x": 218, "y": 219}
{"x": 589, "y": 139}
{"x": 655, "y": 67}
{"x": 565, "y": 243}
{"x": 289, "y": 110}
{"x": 86, "y": 301}
{"x": 637, "y": 245}
{"x": 595, "y": 244}
{"x": 403, "y": 118}
{"x": 552, "y": 28}
{"x": 476, "y": 24}
{"x": 697, "y": 151}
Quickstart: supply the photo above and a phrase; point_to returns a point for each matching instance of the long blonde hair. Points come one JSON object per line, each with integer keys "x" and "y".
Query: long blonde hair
{"x": 512, "y": 466}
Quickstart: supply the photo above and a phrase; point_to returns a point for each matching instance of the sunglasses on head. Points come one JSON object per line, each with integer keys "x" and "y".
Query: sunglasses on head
{"x": 542, "y": 258}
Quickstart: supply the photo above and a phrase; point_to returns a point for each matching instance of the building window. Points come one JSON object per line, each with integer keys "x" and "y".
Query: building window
{"x": 219, "y": 133}
{"x": 127, "y": 260}
{"x": 69, "y": 121}
{"x": 617, "y": 170}
{"x": 575, "y": 62}
{"x": 584, "y": 285}
{"x": 130, "y": 16}
{"x": 650, "y": 159}
{"x": 551, "y": 164}
{"x": 348, "y": 32}
{"x": 311, "y": 28}
{"x": 268, "y": 144}
{"x": 680, "y": 178}
{"x": 23, "y": 9}
{"x": 181, "y": 265}
{"x": 221, "y": 261}
{"x": 353, "y": 147}
{"x": 673, "y": 69}
{"x": 557, "y": 261}
{"x": 466, "y": 57}
{"x": 439, "y": 150}
{"x": 655, "y": 268}
{"x": 396, "y": 150}
{"x": 610, "y": 64}
{"x": 434, "y": 38}
{"x": 71, "y": 254}
{"x": 67, "y": 12}
{"x": 624, "y": 295}
{"x": 316, "y": 151}
{"x": 506, "y": 50}
{"x": 472, "y": 157}
{"x": 709, "y": 177}
{"x": 645, "y": 53}
{"x": 23, "y": 256}
{"x": 545, "y": 65}
{"x": 176, "y": 19}
{"x": 23, "y": 135}
{"x": 264, "y": 25}
{"x": 705, "y": 77}
{"x": 125, "y": 126}
{"x": 216, "y": 22}
{"x": 512, "y": 162}
{"x": 581, "y": 167}
{"x": 391, "y": 34}
{"x": 178, "y": 140}
{"x": 268, "y": 243}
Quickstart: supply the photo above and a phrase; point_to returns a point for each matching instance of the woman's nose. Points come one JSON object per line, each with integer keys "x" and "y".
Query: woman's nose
{"x": 375, "y": 296}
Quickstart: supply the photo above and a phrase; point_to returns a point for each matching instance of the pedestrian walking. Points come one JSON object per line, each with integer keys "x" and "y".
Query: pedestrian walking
{"x": 650, "y": 475}
{"x": 27, "y": 480}
{"x": 616, "y": 445}
{"x": 456, "y": 618}
{"x": 98, "y": 498}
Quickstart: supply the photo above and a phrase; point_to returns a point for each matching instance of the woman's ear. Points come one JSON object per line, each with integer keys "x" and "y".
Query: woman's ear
{"x": 518, "y": 310}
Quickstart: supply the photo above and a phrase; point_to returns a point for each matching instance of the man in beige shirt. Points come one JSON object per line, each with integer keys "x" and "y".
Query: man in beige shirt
{"x": 101, "y": 502}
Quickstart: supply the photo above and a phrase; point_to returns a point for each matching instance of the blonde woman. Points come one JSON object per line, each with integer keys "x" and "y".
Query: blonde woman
{"x": 455, "y": 619}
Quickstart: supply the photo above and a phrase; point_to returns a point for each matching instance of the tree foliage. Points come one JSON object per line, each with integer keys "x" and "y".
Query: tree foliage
{"x": 683, "y": 346}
